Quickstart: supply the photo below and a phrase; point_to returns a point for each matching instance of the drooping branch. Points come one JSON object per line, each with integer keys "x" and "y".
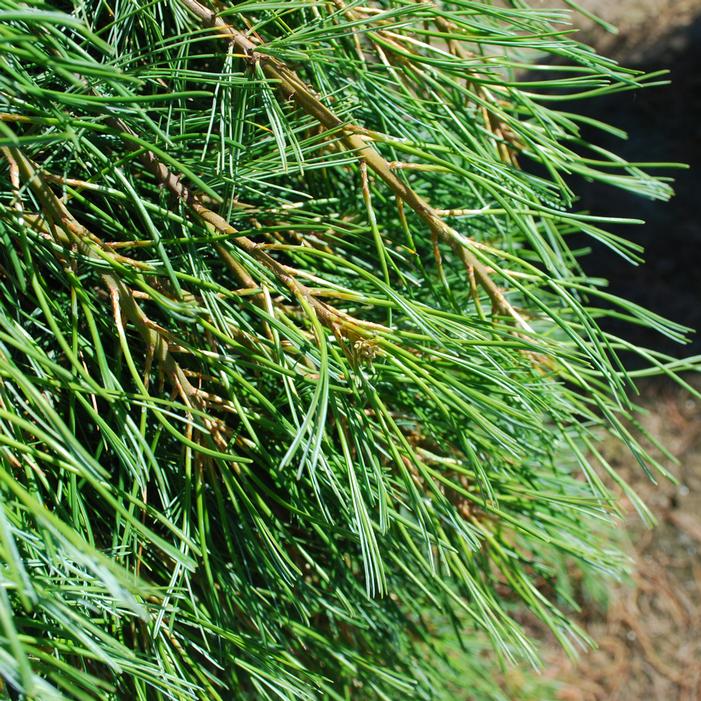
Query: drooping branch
{"x": 329, "y": 316}
{"x": 68, "y": 231}
{"x": 354, "y": 139}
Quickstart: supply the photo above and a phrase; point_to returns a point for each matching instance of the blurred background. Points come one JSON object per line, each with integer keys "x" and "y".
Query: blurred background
{"x": 663, "y": 124}
{"x": 649, "y": 631}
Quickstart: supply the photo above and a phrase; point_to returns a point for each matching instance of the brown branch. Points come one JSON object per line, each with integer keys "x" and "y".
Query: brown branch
{"x": 329, "y": 316}
{"x": 66, "y": 230}
{"x": 353, "y": 138}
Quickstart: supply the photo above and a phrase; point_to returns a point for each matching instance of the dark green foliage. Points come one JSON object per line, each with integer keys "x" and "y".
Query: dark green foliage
{"x": 297, "y": 369}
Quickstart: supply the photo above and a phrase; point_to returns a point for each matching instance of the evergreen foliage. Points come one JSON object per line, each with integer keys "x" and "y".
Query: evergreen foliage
{"x": 297, "y": 368}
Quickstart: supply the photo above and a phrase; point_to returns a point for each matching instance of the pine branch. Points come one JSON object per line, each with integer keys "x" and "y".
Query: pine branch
{"x": 259, "y": 437}
{"x": 353, "y": 138}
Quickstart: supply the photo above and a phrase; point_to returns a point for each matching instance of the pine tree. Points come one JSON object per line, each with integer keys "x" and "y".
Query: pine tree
{"x": 301, "y": 380}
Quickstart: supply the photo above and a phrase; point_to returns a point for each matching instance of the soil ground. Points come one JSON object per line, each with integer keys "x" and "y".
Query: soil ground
{"x": 647, "y": 29}
{"x": 649, "y": 636}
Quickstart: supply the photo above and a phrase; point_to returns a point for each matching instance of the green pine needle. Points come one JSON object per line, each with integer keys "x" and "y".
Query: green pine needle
{"x": 299, "y": 376}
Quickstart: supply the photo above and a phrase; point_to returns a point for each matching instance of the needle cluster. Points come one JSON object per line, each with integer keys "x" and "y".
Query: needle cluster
{"x": 299, "y": 373}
